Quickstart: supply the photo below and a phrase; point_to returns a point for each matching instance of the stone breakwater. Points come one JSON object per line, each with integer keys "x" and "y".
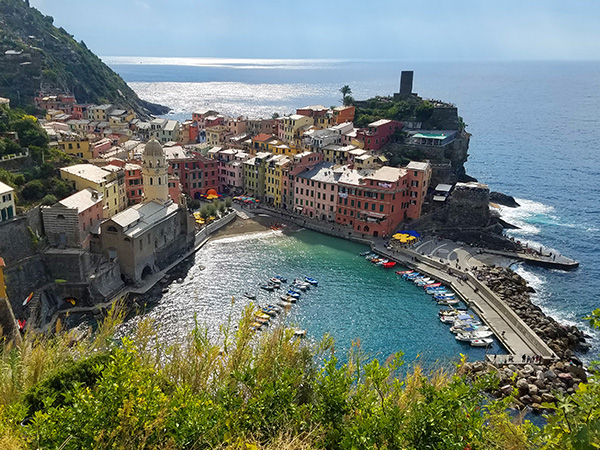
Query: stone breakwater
{"x": 532, "y": 384}
{"x": 513, "y": 289}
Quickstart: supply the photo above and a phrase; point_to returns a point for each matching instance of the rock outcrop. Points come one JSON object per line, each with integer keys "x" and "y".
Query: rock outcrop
{"x": 35, "y": 55}
{"x": 503, "y": 199}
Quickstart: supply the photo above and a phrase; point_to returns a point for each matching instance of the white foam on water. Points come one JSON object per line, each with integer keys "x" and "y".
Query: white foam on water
{"x": 247, "y": 236}
{"x": 542, "y": 296}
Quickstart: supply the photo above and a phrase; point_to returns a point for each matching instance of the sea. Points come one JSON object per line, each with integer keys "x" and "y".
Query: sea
{"x": 535, "y": 135}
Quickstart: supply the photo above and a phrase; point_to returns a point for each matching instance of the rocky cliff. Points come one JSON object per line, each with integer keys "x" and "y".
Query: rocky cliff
{"x": 36, "y": 56}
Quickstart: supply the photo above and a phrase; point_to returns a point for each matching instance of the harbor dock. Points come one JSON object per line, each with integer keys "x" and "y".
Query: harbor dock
{"x": 514, "y": 334}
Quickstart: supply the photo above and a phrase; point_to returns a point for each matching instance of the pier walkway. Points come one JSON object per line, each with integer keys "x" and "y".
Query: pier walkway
{"x": 516, "y": 336}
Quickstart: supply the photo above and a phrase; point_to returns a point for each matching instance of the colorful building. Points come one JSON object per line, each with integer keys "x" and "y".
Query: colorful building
{"x": 64, "y": 103}
{"x": 134, "y": 181}
{"x": 378, "y": 133}
{"x": 196, "y": 173}
{"x": 336, "y": 154}
{"x": 344, "y": 114}
{"x": 274, "y": 172}
{"x": 254, "y": 174}
{"x": 373, "y": 202}
{"x": 315, "y": 193}
{"x": 294, "y": 126}
{"x": 109, "y": 183}
{"x": 217, "y": 135}
{"x": 419, "y": 174}
{"x": 76, "y": 146}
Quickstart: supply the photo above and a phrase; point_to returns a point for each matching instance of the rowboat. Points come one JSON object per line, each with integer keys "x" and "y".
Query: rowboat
{"x": 300, "y": 333}
{"x": 432, "y": 285}
{"x": 481, "y": 342}
{"x": 262, "y": 315}
{"x": 250, "y": 296}
{"x": 28, "y": 299}
{"x": 288, "y": 298}
{"x": 312, "y": 281}
{"x": 275, "y": 280}
{"x": 292, "y": 293}
{"x": 261, "y": 320}
{"x": 269, "y": 312}
{"x": 267, "y": 287}
{"x": 410, "y": 274}
{"x": 468, "y": 328}
{"x": 364, "y": 253}
{"x": 389, "y": 264}
{"x": 299, "y": 286}
{"x": 280, "y": 278}
{"x": 404, "y": 272}
{"x": 256, "y": 326}
{"x": 448, "y": 302}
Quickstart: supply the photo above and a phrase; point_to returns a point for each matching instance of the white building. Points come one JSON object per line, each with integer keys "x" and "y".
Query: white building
{"x": 7, "y": 202}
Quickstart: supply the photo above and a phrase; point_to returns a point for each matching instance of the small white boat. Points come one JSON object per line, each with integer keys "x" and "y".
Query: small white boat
{"x": 448, "y": 302}
{"x": 299, "y": 286}
{"x": 467, "y": 337}
{"x": 481, "y": 342}
{"x": 467, "y": 328}
{"x": 422, "y": 280}
{"x": 299, "y": 333}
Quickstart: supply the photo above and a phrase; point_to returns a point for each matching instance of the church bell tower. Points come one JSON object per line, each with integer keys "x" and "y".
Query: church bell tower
{"x": 154, "y": 172}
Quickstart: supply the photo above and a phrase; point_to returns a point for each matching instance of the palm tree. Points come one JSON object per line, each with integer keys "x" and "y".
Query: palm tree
{"x": 346, "y": 91}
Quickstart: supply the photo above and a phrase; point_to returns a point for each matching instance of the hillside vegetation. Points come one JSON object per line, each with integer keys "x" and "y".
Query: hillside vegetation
{"x": 245, "y": 391}
{"x": 52, "y": 61}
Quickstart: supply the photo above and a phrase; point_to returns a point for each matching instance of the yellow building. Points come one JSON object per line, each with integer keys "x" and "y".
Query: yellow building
{"x": 120, "y": 118}
{"x": 76, "y": 146}
{"x": 109, "y": 183}
{"x": 293, "y": 127}
{"x": 274, "y": 172}
{"x": 216, "y": 135}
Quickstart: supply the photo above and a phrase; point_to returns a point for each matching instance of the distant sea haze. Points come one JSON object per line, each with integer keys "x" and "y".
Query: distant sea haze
{"x": 535, "y": 132}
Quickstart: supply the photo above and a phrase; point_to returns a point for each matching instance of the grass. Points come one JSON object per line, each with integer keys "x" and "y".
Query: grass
{"x": 243, "y": 391}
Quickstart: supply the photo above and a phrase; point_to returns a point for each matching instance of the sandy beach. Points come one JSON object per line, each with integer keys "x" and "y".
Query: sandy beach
{"x": 254, "y": 225}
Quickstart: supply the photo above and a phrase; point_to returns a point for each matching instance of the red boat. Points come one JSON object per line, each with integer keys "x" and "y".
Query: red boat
{"x": 28, "y": 299}
{"x": 389, "y": 264}
{"x": 404, "y": 272}
{"x": 432, "y": 285}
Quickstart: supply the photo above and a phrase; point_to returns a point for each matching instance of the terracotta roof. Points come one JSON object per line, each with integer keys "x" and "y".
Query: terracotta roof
{"x": 262, "y": 137}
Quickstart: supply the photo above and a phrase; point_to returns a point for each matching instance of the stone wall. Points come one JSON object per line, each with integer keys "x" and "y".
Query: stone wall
{"x": 16, "y": 242}
{"x": 468, "y": 207}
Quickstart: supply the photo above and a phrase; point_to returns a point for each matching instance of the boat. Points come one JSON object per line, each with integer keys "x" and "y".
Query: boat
{"x": 381, "y": 262}
{"x": 256, "y": 326}
{"x": 261, "y": 320}
{"x": 269, "y": 312}
{"x": 311, "y": 281}
{"x": 389, "y": 264}
{"x": 485, "y": 342}
{"x": 422, "y": 281}
{"x": 376, "y": 260}
{"x": 250, "y": 296}
{"x": 293, "y": 294}
{"x": 467, "y": 337}
{"x": 299, "y": 333}
{"x": 275, "y": 280}
{"x": 432, "y": 285}
{"x": 448, "y": 302}
{"x": 403, "y": 272}
{"x": 370, "y": 256}
{"x": 28, "y": 299}
{"x": 280, "y": 278}
{"x": 410, "y": 274}
{"x": 268, "y": 287}
{"x": 368, "y": 252}
{"x": 294, "y": 290}
{"x": 468, "y": 328}
{"x": 288, "y": 298}
{"x": 262, "y": 315}
{"x": 21, "y": 323}
{"x": 299, "y": 286}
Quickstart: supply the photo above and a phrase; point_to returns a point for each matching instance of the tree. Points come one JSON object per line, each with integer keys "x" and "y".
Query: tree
{"x": 49, "y": 200}
{"x": 275, "y": 116}
{"x": 346, "y": 91}
{"x": 348, "y": 100}
{"x": 228, "y": 202}
{"x": 34, "y": 190}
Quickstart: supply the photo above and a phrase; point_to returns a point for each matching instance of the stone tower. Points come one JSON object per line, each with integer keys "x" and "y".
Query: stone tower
{"x": 154, "y": 172}
{"x": 406, "y": 82}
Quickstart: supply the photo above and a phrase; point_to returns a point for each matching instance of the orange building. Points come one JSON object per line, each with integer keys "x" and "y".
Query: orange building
{"x": 343, "y": 114}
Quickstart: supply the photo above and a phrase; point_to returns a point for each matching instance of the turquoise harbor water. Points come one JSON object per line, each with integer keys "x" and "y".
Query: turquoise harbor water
{"x": 535, "y": 127}
{"x": 354, "y": 300}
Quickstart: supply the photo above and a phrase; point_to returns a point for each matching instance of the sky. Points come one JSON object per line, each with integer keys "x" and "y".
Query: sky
{"x": 344, "y": 29}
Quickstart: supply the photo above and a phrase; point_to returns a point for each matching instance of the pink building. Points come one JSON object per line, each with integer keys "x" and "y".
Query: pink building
{"x": 80, "y": 111}
{"x": 214, "y": 121}
{"x": 236, "y": 126}
{"x": 419, "y": 177}
{"x": 378, "y": 133}
{"x": 316, "y": 192}
{"x": 200, "y": 117}
{"x": 231, "y": 171}
{"x": 100, "y": 146}
{"x": 300, "y": 163}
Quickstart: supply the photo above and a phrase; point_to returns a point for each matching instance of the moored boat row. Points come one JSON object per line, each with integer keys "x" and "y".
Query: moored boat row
{"x": 465, "y": 326}
{"x": 292, "y": 293}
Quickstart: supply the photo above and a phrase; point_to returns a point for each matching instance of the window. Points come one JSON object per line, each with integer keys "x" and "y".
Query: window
{"x": 366, "y": 205}
{"x": 112, "y": 229}
{"x": 373, "y": 207}
{"x": 380, "y": 208}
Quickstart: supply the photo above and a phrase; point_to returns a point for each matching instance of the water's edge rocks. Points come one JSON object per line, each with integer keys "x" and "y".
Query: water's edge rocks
{"x": 503, "y": 199}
